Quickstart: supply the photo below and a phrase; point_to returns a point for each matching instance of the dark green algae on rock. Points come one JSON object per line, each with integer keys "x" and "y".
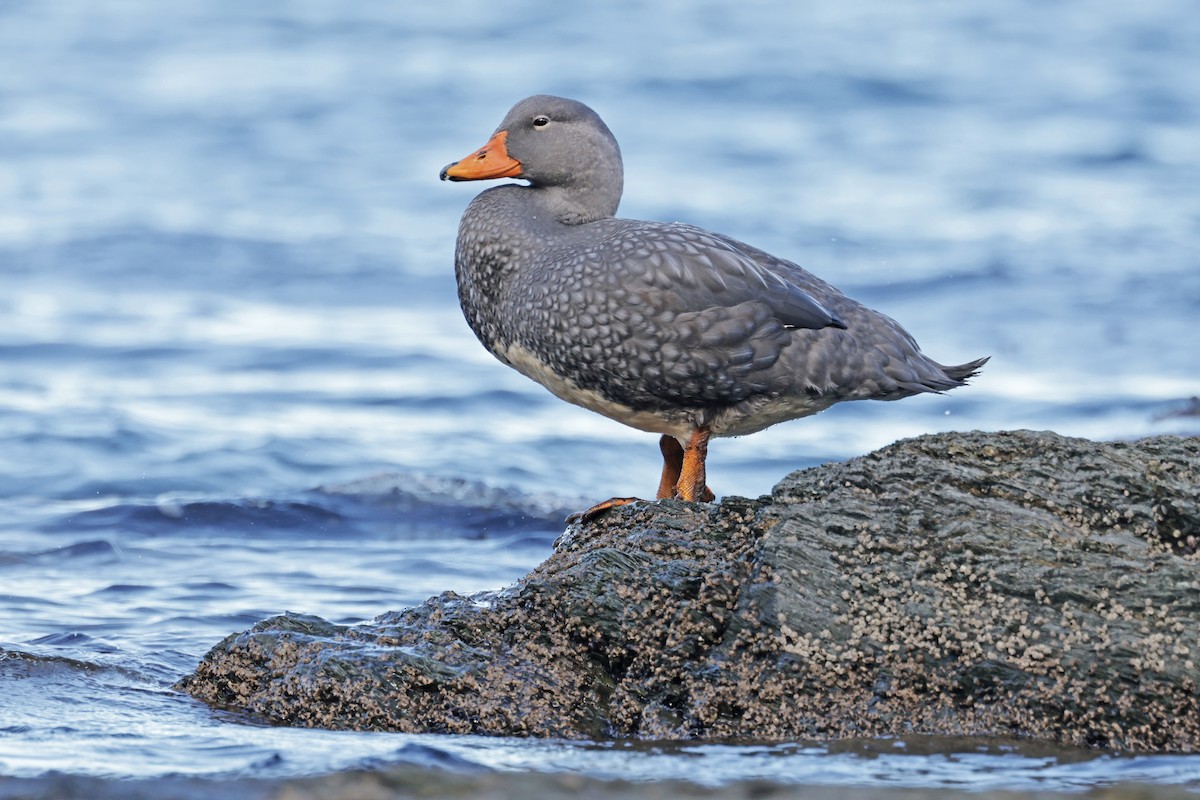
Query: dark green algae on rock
{"x": 994, "y": 584}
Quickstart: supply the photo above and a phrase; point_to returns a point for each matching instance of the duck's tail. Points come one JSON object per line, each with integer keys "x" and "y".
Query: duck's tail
{"x": 928, "y": 375}
{"x": 961, "y": 372}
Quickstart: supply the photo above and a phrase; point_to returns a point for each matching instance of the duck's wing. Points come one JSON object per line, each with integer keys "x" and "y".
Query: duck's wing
{"x": 703, "y": 270}
{"x": 666, "y": 316}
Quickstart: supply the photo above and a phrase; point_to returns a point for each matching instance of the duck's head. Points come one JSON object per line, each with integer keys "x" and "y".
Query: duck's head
{"x": 554, "y": 143}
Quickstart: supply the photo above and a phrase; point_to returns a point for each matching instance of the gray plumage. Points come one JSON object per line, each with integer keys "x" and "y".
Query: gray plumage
{"x": 663, "y": 326}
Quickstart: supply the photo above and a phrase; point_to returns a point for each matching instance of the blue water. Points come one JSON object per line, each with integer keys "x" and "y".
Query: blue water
{"x": 234, "y": 379}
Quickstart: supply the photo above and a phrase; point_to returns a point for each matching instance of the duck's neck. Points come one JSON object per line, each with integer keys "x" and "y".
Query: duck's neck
{"x": 589, "y": 193}
{"x": 573, "y": 205}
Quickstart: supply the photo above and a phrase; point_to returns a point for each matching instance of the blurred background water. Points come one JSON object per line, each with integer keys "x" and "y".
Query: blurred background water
{"x": 234, "y": 378}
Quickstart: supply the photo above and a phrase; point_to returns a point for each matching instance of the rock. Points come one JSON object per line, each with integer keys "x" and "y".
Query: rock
{"x": 1000, "y": 584}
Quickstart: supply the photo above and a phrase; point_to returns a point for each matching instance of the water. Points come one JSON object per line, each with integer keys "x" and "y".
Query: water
{"x": 235, "y": 380}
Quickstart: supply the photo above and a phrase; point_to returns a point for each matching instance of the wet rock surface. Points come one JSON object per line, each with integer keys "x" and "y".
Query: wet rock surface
{"x": 1001, "y": 584}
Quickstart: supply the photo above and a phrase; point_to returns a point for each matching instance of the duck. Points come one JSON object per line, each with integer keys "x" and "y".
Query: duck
{"x": 662, "y": 326}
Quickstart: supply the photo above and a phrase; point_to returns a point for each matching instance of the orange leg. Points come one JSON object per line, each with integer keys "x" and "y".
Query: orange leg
{"x": 672, "y": 453}
{"x": 691, "y": 485}
{"x": 682, "y": 476}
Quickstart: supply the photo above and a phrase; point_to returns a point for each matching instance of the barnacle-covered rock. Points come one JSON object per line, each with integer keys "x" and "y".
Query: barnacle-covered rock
{"x": 1000, "y": 584}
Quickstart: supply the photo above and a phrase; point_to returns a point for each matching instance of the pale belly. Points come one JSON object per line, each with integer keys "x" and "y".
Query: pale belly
{"x": 744, "y": 418}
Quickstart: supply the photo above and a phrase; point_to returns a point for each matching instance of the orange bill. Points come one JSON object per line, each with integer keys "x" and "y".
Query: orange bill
{"x": 492, "y": 161}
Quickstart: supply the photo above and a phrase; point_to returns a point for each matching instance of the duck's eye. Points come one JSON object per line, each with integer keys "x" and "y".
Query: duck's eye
{"x": 541, "y": 121}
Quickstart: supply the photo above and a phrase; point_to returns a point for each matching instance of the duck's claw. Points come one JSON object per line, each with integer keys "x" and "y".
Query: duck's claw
{"x": 601, "y": 508}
